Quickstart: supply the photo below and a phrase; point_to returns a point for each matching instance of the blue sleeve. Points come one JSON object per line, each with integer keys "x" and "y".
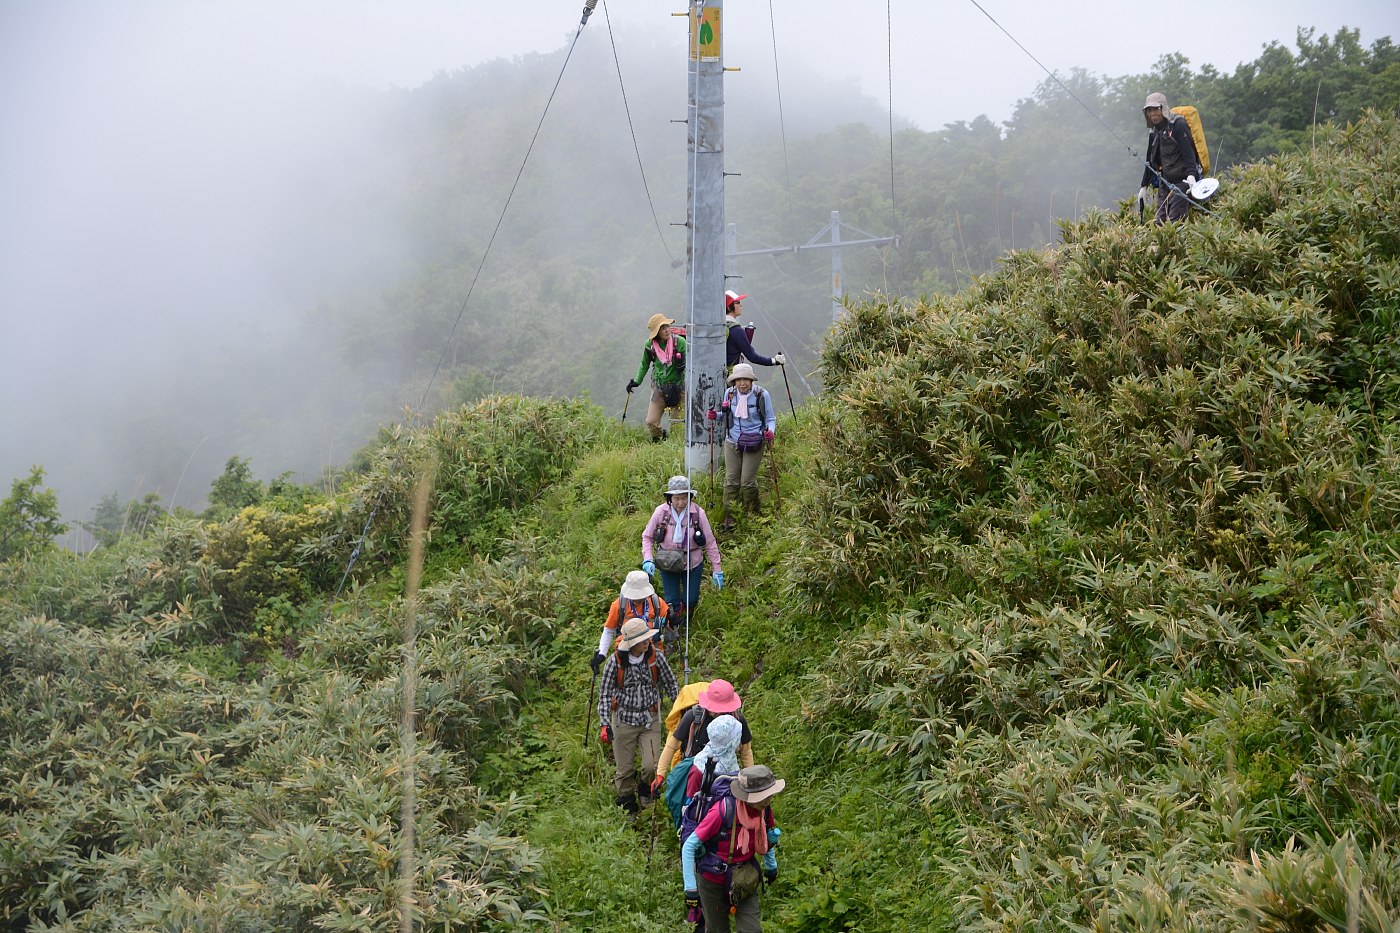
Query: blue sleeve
{"x": 770, "y": 858}
{"x": 770, "y": 411}
{"x": 690, "y": 852}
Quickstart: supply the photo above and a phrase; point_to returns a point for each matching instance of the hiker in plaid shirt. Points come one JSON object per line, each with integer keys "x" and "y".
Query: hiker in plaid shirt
{"x": 629, "y": 705}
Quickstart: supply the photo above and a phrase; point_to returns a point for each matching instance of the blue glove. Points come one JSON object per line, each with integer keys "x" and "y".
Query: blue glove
{"x": 717, "y": 579}
{"x": 650, "y": 567}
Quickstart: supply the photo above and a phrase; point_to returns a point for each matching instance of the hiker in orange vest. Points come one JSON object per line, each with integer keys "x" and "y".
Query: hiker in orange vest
{"x": 629, "y": 706}
{"x": 638, "y": 600}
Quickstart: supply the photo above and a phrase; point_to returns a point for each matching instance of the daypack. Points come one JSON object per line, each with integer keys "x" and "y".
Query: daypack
{"x": 651, "y": 608}
{"x": 622, "y": 674}
{"x": 664, "y": 530}
{"x": 650, "y": 614}
{"x": 714, "y": 790}
{"x": 746, "y": 443}
{"x": 1198, "y": 134}
{"x": 749, "y": 329}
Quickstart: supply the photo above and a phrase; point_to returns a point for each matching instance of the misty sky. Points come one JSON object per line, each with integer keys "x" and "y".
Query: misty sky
{"x": 170, "y": 136}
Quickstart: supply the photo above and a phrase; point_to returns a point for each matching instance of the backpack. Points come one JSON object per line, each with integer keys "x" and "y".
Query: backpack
{"x": 1198, "y": 134}
{"x": 622, "y": 675}
{"x": 747, "y": 443}
{"x": 663, "y": 533}
{"x": 651, "y": 608}
{"x": 714, "y": 789}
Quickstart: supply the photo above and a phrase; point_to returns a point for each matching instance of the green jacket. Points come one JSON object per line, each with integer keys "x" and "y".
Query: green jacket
{"x": 666, "y": 373}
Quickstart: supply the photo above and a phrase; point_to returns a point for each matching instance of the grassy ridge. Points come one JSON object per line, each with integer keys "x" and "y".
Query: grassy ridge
{"x": 1080, "y": 612}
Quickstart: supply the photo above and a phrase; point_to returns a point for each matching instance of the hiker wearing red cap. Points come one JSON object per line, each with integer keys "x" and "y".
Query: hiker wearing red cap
{"x": 737, "y": 346}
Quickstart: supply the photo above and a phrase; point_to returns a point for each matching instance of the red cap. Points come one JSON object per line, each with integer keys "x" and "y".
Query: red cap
{"x": 730, "y": 298}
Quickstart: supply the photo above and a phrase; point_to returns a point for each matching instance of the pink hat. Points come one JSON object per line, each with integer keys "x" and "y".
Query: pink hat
{"x": 719, "y": 697}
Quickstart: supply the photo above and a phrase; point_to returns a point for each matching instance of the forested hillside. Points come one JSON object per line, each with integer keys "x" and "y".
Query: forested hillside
{"x": 1078, "y": 611}
{"x": 422, "y": 177}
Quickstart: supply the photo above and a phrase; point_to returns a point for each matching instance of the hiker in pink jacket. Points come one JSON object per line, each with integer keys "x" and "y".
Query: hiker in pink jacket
{"x": 676, "y": 541}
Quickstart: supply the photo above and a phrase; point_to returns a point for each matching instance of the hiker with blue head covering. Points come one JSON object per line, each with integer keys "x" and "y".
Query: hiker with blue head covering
{"x": 730, "y": 855}
{"x": 677, "y": 540}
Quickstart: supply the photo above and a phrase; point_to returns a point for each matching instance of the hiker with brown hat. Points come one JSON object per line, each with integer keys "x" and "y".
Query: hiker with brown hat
{"x": 1172, "y": 163}
{"x": 637, "y": 600}
{"x": 749, "y": 421}
{"x": 677, "y": 540}
{"x": 629, "y": 704}
{"x": 738, "y": 345}
{"x": 666, "y": 352}
{"x": 731, "y": 854}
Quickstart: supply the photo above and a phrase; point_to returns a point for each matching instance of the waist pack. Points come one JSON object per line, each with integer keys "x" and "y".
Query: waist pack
{"x": 670, "y": 393}
{"x": 671, "y": 560}
{"x": 749, "y": 443}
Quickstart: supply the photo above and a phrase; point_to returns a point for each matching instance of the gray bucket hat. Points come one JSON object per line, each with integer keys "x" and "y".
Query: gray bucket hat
{"x": 677, "y": 485}
{"x": 756, "y": 784}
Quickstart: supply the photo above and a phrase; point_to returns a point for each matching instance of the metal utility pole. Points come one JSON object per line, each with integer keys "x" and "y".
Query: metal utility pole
{"x": 838, "y": 310}
{"x": 705, "y": 279}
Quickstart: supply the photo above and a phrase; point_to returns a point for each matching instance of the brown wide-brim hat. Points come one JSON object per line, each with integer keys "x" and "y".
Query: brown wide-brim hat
{"x": 633, "y": 632}
{"x": 655, "y": 322}
{"x": 756, "y": 784}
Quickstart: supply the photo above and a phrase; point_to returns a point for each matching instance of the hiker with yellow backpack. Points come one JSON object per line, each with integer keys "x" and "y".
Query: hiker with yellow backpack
{"x": 1174, "y": 160}
{"x": 629, "y": 706}
{"x": 699, "y": 704}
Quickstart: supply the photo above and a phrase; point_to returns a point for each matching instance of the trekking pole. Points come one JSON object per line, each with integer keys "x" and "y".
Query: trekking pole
{"x": 783, "y": 366}
{"x": 773, "y": 467}
{"x": 625, "y": 402}
{"x": 712, "y": 461}
{"x": 588, "y": 722}
{"x": 652, "y": 846}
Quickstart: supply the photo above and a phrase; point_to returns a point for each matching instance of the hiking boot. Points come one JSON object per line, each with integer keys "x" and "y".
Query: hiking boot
{"x": 628, "y": 803}
{"x": 728, "y": 523}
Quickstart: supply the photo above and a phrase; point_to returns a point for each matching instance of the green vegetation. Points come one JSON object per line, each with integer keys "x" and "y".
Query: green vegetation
{"x": 1080, "y": 613}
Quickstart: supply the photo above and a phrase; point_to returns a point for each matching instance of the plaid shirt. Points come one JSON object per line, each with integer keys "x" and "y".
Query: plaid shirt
{"x": 638, "y": 699}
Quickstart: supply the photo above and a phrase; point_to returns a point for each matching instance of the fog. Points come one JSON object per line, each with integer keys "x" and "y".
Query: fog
{"x": 191, "y": 190}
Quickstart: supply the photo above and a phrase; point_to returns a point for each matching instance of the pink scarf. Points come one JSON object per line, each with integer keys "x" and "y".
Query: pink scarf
{"x": 750, "y": 836}
{"x": 741, "y": 407}
{"x": 664, "y": 354}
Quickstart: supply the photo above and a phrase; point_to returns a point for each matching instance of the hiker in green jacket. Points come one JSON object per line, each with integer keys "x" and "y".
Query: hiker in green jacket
{"x": 666, "y": 351}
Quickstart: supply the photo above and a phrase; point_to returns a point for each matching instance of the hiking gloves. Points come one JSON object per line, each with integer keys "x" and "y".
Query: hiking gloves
{"x": 692, "y": 900}
{"x": 717, "y": 579}
{"x": 632, "y": 384}
{"x": 656, "y": 783}
{"x": 780, "y": 359}
{"x": 650, "y": 567}
{"x": 597, "y": 661}
{"x": 770, "y": 875}
{"x": 605, "y": 735}
{"x": 767, "y": 434}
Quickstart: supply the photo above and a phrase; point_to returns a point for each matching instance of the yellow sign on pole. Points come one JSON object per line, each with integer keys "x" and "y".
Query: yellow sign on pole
{"x": 704, "y": 36}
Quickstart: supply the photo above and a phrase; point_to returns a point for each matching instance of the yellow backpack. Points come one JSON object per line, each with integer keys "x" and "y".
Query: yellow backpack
{"x": 1198, "y": 134}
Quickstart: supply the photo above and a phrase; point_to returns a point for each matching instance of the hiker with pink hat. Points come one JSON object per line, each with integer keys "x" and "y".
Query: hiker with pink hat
{"x": 692, "y": 733}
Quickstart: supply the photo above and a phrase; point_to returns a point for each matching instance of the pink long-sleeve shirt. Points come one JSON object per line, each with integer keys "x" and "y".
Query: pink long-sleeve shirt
{"x": 650, "y": 533}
